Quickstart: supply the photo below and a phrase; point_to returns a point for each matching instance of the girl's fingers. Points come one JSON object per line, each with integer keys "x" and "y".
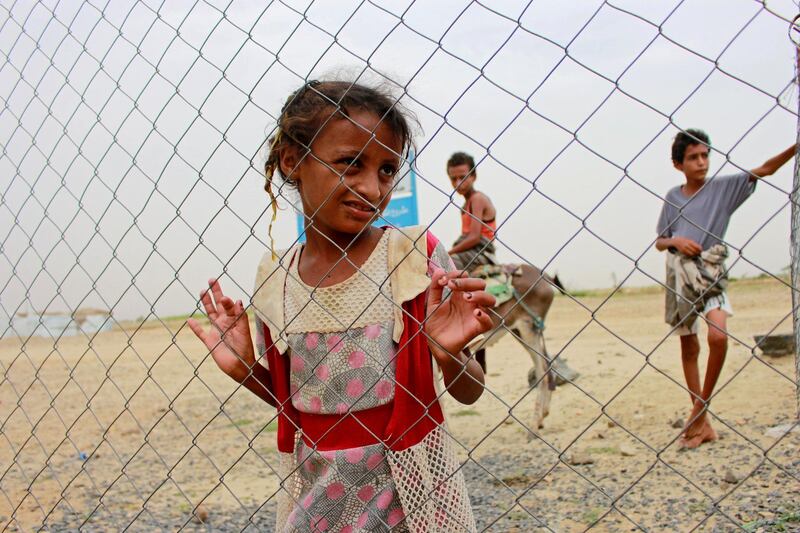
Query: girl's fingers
{"x": 243, "y": 313}
{"x": 455, "y": 280}
{"x": 435, "y": 291}
{"x": 480, "y": 298}
{"x": 466, "y": 284}
{"x": 197, "y": 329}
{"x": 202, "y": 334}
{"x": 216, "y": 289}
{"x": 453, "y": 274}
{"x": 484, "y": 319}
{"x": 208, "y": 304}
{"x": 228, "y": 305}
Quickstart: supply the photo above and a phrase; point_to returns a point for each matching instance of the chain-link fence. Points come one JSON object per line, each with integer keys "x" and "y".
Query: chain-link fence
{"x": 134, "y": 136}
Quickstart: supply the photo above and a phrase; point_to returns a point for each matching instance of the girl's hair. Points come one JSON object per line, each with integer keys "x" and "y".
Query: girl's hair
{"x": 311, "y": 106}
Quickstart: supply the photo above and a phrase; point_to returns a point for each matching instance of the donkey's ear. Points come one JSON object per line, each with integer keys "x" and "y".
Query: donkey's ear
{"x": 558, "y": 284}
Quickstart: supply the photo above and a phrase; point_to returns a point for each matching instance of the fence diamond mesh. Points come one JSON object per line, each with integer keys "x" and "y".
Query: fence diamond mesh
{"x": 134, "y": 137}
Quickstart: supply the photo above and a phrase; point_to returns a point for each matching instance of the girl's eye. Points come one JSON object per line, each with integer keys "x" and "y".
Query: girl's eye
{"x": 351, "y": 162}
{"x": 388, "y": 170}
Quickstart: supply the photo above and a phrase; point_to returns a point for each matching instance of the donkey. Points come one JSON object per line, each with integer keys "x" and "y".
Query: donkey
{"x": 524, "y": 317}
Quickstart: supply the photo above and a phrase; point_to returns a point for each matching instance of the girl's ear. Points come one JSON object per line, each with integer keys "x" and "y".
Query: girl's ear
{"x": 288, "y": 161}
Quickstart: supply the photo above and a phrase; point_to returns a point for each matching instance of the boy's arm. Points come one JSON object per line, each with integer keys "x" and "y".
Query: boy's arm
{"x": 772, "y": 165}
{"x": 479, "y": 204}
{"x": 663, "y": 243}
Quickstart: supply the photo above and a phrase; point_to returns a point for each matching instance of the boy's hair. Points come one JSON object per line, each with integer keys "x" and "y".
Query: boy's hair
{"x": 316, "y": 103}
{"x": 685, "y": 139}
{"x": 461, "y": 158}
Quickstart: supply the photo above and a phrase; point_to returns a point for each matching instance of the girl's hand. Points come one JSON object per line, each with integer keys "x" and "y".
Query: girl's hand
{"x": 452, "y": 324}
{"x": 228, "y": 339}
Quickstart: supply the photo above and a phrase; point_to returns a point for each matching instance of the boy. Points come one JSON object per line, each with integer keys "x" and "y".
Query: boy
{"x": 475, "y": 246}
{"x": 692, "y": 224}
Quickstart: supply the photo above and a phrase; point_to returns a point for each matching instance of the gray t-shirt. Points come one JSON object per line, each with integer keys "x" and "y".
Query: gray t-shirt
{"x": 704, "y": 217}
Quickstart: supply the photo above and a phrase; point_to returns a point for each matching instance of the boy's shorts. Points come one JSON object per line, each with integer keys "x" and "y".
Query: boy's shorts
{"x": 721, "y": 302}
{"x": 480, "y": 254}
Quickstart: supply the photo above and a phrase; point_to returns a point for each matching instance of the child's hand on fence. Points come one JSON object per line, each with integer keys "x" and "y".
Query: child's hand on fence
{"x": 228, "y": 338}
{"x": 453, "y": 322}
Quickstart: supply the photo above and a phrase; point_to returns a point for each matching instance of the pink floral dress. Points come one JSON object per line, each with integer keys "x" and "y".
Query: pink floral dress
{"x": 342, "y": 360}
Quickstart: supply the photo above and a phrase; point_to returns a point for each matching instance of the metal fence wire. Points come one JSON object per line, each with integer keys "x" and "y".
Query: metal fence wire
{"x": 134, "y": 135}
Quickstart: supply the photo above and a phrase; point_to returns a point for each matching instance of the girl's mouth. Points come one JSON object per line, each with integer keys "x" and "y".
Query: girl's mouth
{"x": 360, "y": 210}
{"x": 360, "y": 206}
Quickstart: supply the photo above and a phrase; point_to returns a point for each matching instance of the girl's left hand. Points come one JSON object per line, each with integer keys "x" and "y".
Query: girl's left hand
{"x": 451, "y": 324}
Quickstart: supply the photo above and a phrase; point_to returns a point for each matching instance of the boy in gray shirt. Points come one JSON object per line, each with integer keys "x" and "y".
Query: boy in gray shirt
{"x": 694, "y": 219}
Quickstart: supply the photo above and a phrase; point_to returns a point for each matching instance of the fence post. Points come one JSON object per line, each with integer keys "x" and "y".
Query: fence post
{"x": 795, "y": 233}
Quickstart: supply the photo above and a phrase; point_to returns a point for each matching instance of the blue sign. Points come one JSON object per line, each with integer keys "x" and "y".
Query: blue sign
{"x": 402, "y": 209}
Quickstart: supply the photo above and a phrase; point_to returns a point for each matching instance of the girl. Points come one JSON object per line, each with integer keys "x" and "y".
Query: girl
{"x": 346, "y": 326}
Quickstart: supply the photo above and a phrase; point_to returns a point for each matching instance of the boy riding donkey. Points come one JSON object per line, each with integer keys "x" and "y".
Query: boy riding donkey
{"x": 474, "y": 251}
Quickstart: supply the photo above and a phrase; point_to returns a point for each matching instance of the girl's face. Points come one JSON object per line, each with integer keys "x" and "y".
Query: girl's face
{"x": 346, "y": 180}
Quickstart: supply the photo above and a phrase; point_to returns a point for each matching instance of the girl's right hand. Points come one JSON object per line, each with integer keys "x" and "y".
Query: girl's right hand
{"x": 228, "y": 337}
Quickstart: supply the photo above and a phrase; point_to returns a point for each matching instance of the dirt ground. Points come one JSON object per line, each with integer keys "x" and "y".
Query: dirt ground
{"x": 137, "y": 428}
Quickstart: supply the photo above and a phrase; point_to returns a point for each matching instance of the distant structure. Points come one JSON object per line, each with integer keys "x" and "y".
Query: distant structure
{"x": 57, "y": 324}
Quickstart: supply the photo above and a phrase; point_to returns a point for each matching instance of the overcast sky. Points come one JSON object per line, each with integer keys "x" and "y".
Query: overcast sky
{"x": 149, "y": 124}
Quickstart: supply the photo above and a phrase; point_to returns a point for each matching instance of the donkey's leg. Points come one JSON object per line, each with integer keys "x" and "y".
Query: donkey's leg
{"x": 533, "y": 342}
{"x": 547, "y": 394}
{"x": 480, "y": 356}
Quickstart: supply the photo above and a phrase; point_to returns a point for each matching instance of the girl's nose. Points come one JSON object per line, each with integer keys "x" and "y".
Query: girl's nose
{"x": 367, "y": 186}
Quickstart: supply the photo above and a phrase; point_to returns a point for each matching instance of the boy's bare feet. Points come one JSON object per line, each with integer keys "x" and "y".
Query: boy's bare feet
{"x": 697, "y": 418}
{"x": 705, "y": 434}
{"x": 698, "y": 428}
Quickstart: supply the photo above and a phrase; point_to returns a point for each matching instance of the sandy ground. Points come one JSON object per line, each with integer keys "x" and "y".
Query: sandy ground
{"x": 136, "y": 427}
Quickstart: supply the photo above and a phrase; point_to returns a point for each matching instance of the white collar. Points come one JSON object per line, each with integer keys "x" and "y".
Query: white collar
{"x": 408, "y": 276}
